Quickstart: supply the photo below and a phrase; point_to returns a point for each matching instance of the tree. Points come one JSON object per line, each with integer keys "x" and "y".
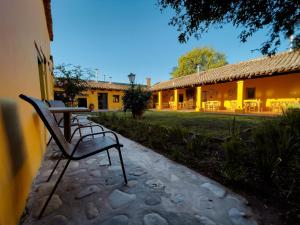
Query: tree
{"x": 204, "y": 58}
{"x": 73, "y": 80}
{"x": 278, "y": 17}
{"x": 136, "y": 99}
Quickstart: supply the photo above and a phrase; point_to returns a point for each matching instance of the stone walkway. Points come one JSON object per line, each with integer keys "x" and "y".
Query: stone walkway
{"x": 159, "y": 192}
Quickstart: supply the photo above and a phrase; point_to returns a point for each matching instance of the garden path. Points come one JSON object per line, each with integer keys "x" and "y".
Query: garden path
{"x": 159, "y": 192}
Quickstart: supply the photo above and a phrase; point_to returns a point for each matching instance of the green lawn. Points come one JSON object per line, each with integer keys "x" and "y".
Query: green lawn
{"x": 209, "y": 123}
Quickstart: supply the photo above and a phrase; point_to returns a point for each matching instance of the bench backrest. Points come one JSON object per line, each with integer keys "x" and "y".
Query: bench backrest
{"x": 48, "y": 119}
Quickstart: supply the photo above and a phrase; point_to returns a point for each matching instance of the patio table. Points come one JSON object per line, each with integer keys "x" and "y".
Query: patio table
{"x": 67, "y": 111}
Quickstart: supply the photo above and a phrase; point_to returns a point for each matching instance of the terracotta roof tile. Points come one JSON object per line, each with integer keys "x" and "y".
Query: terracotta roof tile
{"x": 108, "y": 85}
{"x": 267, "y": 66}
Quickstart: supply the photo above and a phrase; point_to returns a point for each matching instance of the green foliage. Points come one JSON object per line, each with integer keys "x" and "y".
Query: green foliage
{"x": 73, "y": 81}
{"x": 136, "y": 99}
{"x": 277, "y": 145}
{"x": 234, "y": 169}
{"x": 265, "y": 160}
{"x": 206, "y": 58}
{"x": 178, "y": 135}
{"x": 197, "y": 144}
{"x": 235, "y": 156}
{"x": 277, "y": 18}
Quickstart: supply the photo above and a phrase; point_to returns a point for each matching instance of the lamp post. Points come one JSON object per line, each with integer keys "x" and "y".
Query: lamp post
{"x": 131, "y": 78}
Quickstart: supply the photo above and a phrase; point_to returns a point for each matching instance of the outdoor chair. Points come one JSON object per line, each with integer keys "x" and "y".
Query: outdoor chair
{"x": 79, "y": 150}
{"x": 75, "y": 122}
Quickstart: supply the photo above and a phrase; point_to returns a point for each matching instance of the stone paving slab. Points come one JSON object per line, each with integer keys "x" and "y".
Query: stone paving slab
{"x": 159, "y": 192}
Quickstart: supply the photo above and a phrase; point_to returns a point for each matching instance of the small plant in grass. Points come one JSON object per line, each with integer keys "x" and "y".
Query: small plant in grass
{"x": 178, "y": 135}
{"x": 235, "y": 155}
{"x": 197, "y": 145}
{"x": 136, "y": 100}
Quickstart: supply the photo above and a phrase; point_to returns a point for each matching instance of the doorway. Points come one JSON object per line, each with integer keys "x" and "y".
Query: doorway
{"x": 102, "y": 101}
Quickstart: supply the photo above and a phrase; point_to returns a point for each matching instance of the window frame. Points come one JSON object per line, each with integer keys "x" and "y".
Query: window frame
{"x": 116, "y": 97}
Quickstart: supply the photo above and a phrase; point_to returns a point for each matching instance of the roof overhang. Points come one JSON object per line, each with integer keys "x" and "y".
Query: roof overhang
{"x": 47, "y": 7}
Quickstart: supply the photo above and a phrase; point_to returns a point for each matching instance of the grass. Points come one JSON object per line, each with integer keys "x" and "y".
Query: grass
{"x": 211, "y": 124}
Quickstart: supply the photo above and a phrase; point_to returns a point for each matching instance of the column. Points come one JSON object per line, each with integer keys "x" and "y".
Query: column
{"x": 159, "y": 100}
{"x": 198, "y": 99}
{"x": 175, "y": 99}
{"x": 240, "y": 95}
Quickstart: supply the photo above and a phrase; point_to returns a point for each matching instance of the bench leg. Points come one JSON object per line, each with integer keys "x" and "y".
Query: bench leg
{"x": 54, "y": 188}
{"x": 108, "y": 157}
{"x": 122, "y": 164}
{"x": 58, "y": 161}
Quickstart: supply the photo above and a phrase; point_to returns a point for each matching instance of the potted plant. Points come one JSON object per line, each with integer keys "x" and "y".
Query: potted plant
{"x": 91, "y": 107}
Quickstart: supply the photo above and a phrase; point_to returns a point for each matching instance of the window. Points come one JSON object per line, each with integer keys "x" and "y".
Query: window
{"x": 116, "y": 98}
{"x": 250, "y": 93}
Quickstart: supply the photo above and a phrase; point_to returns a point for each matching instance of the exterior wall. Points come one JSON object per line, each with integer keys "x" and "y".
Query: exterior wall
{"x": 24, "y": 38}
{"x": 282, "y": 88}
{"x": 92, "y": 98}
{"x": 285, "y": 87}
{"x": 224, "y": 92}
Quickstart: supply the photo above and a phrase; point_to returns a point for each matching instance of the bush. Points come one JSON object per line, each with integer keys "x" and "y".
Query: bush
{"x": 235, "y": 156}
{"x": 136, "y": 100}
{"x": 277, "y": 145}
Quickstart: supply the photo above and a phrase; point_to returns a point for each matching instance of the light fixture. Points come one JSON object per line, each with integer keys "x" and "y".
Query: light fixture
{"x": 131, "y": 78}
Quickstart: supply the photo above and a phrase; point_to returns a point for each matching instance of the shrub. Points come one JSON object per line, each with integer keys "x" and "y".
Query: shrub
{"x": 136, "y": 100}
{"x": 277, "y": 145}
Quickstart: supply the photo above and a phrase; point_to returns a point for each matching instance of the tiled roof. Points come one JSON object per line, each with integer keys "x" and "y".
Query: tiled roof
{"x": 285, "y": 62}
{"x": 47, "y": 7}
{"x": 108, "y": 85}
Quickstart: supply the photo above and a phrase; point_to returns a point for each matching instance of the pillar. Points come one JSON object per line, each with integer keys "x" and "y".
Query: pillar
{"x": 175, "y": 99}
{"x": 199, "y": 99}
{"x": 159, "y": 100}
{"x": 240, "y": 96}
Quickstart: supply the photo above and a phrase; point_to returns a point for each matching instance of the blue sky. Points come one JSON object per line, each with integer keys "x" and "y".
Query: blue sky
{"x": 123, "y": 36}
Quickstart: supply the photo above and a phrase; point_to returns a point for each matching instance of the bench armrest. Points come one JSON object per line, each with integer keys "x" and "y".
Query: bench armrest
{"x": 103, "y": 132}
{"x": 86, "y": 126}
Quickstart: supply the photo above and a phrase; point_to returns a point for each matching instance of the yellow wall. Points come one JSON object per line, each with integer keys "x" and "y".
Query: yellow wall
{"x": 22, "y": 136}
{"x": 92, "y": 98}
{"x": 281, "y": 87}
{"x": 266, "y": 89}
{"x": 272, "y": 88}
{"x": 224, "y": 92}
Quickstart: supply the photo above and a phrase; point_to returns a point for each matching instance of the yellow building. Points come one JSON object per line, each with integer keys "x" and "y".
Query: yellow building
{"x": 267, "y": 84}
{"x": 102, "y": 95}
{"x": 25, "y": 67}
